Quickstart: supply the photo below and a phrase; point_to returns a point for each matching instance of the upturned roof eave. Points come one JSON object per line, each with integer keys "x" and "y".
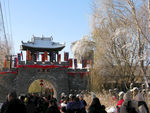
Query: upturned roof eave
{"x": 41, "y": 49}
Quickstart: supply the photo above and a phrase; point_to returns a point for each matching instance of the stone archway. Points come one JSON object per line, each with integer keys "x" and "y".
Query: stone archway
{"x": 50, "y": 79}
{"x": 42, "y": 89}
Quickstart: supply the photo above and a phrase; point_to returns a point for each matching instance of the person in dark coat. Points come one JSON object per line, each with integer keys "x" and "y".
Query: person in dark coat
{"x": 30, "y": 106}
{"x": 74, "y": 106}
{"x": 52, "y": 107}
{"x": 14, "y": 104}
{"x": 83, "y": 102}
{"x": 4, "y": 106}
{"x": 96, "y": 107}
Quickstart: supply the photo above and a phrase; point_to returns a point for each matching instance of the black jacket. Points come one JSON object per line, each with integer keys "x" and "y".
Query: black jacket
{"x": 96, "y": 109}
{"x": 16, "y": 106}
{"x": 4, "y": 107}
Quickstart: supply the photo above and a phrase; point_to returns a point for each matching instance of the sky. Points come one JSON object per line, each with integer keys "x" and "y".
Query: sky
{"x": 65, "y": 20}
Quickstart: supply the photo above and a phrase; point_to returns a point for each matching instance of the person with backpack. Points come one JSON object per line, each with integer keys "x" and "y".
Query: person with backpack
{"x": 129, "y": 105}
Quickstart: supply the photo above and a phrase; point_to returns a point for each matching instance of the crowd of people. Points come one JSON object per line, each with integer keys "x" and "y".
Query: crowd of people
{"x": 48, "y": 104}
{"x": 130, "y": 102}
{"x": 133, "y": 101}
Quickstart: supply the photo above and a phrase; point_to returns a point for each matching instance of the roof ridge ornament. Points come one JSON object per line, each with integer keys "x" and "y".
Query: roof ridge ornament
{"x": 42, "y": 37}
{"x": 32, "y": 39}
{"x": 32, "y": 36}
{"x": 51, "y": 38}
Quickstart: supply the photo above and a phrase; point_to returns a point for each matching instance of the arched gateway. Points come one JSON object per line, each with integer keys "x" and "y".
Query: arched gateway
{"x": 49, "y": 68}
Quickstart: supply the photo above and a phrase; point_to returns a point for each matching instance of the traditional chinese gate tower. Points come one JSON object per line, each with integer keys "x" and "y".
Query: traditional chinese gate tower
{"x": 44, "y": 45}
{"x": 43, "y": 61}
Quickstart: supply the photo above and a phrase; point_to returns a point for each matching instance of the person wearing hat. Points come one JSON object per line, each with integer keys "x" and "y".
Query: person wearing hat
{"x": 70, "y": 96}
{"x": 135, "y": 92}
{"x": 121, "y": 100}
{"x": 63, "y": 105}
{"x": 62, "y": 94}
{"x": 62, "y": 97}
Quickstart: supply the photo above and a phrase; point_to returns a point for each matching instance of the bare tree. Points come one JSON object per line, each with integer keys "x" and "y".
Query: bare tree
{"x": 83, "y": 49}
{"x": 5, "y": 49}
{"x": 122, "y": 40}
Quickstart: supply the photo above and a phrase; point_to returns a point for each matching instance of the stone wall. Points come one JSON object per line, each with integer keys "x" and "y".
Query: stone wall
{"x": 58, "y": 77}
{"x": 7, "y": 82}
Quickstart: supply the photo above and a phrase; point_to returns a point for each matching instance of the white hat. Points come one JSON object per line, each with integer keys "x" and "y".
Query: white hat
{"x": 70, "y": 95}
{"x": 62, "y": 94}
{"x": 131, "y": 90}
{"x": 135, "y": 88}
{"x": 120, "y": 93}
{"x": 77, "y": 95}
{"x": 116, "y": 89}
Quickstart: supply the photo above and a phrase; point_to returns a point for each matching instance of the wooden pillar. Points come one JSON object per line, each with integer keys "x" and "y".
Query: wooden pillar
{"x": 51, "y": 56}
{"x": 32, "y": 56}
{"x": 57, "y": 56}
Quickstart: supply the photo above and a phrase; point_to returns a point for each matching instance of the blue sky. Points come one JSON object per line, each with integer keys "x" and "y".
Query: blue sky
{"x": 65, "y": 20}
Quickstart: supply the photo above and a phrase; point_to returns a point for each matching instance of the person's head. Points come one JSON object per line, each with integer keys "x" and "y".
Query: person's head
{"x": 26, "y": 100}
{"x": 135, "y": 91}
{"x": 77, "y": 96}
{"x": 95, "y": 102}
{"x": 62, "y": 94}
{"x": 110, "y": 91}
{"x": 75, "y": 99}
{"x": 70, "y": 95}
{"x": 143, "y": 86}
{"x": 81, "y": 97}
{"x": 12, "y": 95}
{"x": 22, "y": 98}
{"x": 116, "y": 90}
{"x": 121, "y": 94}
{"x": 52, "y": 102}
